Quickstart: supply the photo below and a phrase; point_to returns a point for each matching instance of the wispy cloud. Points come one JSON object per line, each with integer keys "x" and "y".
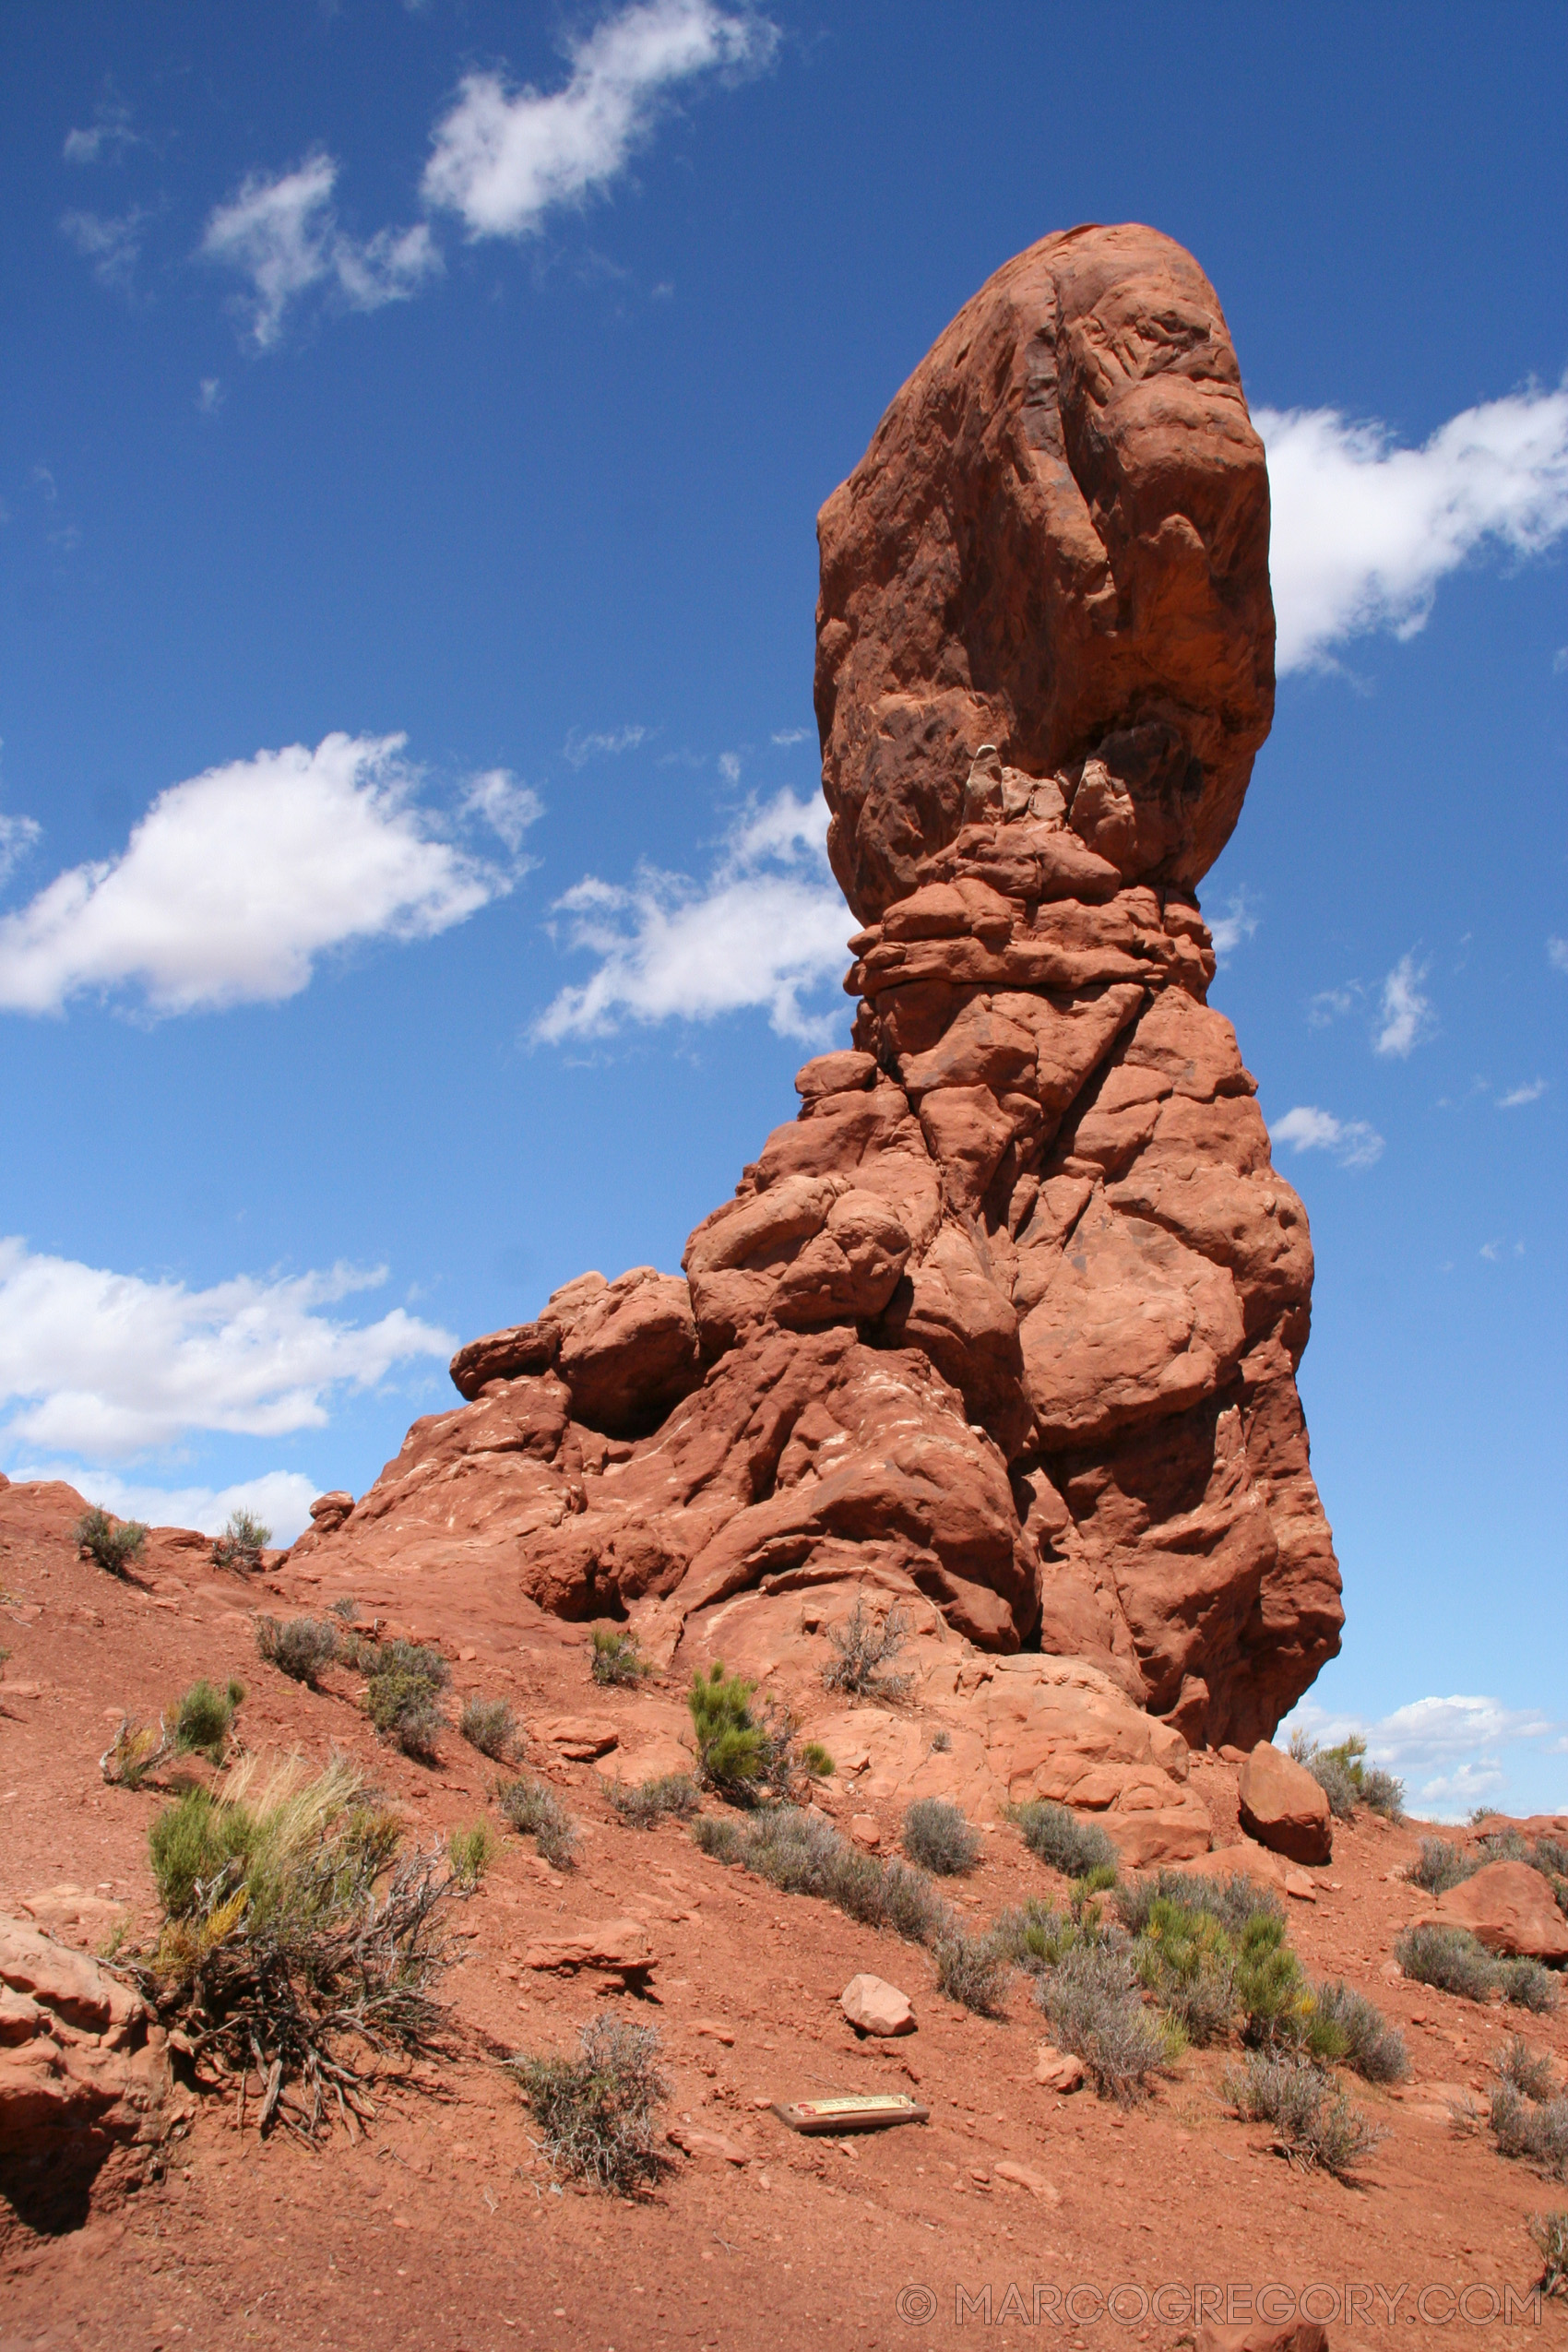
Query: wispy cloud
{"x": 111, "y": 1364}
{"x": 1557, "y": 955}
{"x": 579, "y": 749}
{"x": 233, "y": 883}
{"x": 1331, "y": 1003}
{"x": 785, "y": 736}
{"x": 281, "y": 234}
{"x": 1405, "y": 1017}
{"x": 1363, "y": 531}
{"x": 1521, "y": 1095}
{"x": 1239, "y": 922}
{"x": 113, "y": 246}
{"x": 1451, "y": 1751}
{"x": 108, "y": 138}
{"x": 766, "y": 929}
{"x": 19, "y": 837}
{"x": 497, "y": 800}
{"x": 1351, "y": 1142}
{"x": 505, "y": 158}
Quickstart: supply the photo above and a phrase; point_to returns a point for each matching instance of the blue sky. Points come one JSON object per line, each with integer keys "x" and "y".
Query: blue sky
{"x": 412, "y": 428}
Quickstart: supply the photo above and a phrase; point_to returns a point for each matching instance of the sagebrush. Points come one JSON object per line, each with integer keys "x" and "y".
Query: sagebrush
{"x": 862, "y": 1650}
{"x": 298, "y": 1647}
{"x": 669, "y": 1796}
{"x": 596, "y": 2112}
{"x": 1062, "y": 1840}
{"x": 1315, "y": 2121}
{"x": 617, "y": 1657}
{"x": 490, "y": 1725}
{"x": 113, "y": 1543}
{"x": 937, "y": 1836}
{"x": 535, "y": 1810}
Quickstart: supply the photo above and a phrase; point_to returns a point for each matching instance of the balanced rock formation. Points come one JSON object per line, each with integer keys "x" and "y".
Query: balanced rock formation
{"x": 1008, "y": 1316}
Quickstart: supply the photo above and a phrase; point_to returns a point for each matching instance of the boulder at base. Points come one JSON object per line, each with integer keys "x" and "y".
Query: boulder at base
{"x": 873, "y": 2006}
{"x": 1509, "y": 1908}
{"x": 1283, "y": 1807}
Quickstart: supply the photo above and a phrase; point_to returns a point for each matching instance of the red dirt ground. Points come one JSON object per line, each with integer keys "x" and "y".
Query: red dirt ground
{"x": 444, "y": 2227}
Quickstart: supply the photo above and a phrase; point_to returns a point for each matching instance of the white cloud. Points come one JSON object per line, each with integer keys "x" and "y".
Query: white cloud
{"x": 279, "y": 1499}
{"x": 113, "y": 246}
{"x": 283, "y": 234}
{"x": 785, "y": 736}
{"x": 108, "y": 140}
{"x": 1238, "y": 922}
{"x": 110, "y": 1364}
{"x": 1331, "y": 1003}
{"x": 577, "y": 749}
{"x": 1557, "y": 955}
{"x": 768, "y": 928}
{"x": 1522, "y": 1095}
{"x": 210, "y": 396}
{"x": 1406, "y": 1014}
{"x": 1446, "y": 1750}
{"x": 233, "y": 883}
{"x": 18, "y": 836}
{"x": 502, "y": 158}
{"x": 1351, "y": 1141}
{"x": 497, "y": 799}
{"x": 1363, "y": 531}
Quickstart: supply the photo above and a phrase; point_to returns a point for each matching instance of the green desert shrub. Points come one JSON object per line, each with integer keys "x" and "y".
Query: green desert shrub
{"x": 1188, "y": 1960}
{"x": 470, "y": 1853}
{"x": 1280, "y": 2009}
{"x": 296, "y": 1933}
{"x": 742, "y": 1753}
{"x": 817, "y": 1762}
{"x": 596, "y": 2112}
{"x": 113, "y": 1543}
{"x": 802, "y": 1854}
{"x": 490, "y": 1725}
{"x": 403, "y": 1683}
{"x": 536, "y": 1812}
{"x": 1533, "y": 2130}
{"x": 670, "y": 1796}
{"x": 298, "y": 1647}
{"x": 1062, "y": 1840}
{"x": 617, "y": 1657}
{"x": 1316, "y": 2123}
{"x": 242, "y": 1543}
{"x": 1034, "y": 1936}
{"x": 204, "y": 1718}
{"x": 937, "y": 1836}
{"x": 1347, "y": 1780}
{"x": 1550, "y": 2231}
{"x": 972, "y": 1969}
{"x": 1371, "y": 2046}
{"x": 1441, "y": 1865}
{"x": 1231, "y": 1901}
{"x": 1096, "y": 2012}
{"x": 862, "y": 1648}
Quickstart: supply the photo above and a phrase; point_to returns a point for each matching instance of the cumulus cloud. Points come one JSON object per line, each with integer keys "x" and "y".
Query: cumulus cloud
{"x": 282, "y": 235}
{"x": 502, "y": 158}
{"x": 1450, "y": 1751}
{"x": 1521, "y": 1095}
{"x": 1351, "y": 1141}
{"x": 768, "y": 928}
{"x": 234, "y": 883}
{"x": 111, "y": 245}
{"x": 1405, "y": 1017}
{"x": 1364, "y": 532}
{"x": 1239, "y": 922}
{"x": 279, "y": 1499}
{"x": 579, "y": 749}
{"x": 100, "y": 1364}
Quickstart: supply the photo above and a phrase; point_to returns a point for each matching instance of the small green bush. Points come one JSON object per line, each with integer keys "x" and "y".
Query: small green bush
{"x": 1280, "y": 2009}
{"x": 299, "y": 1647}
{"x": 972, "y": 1969}
{"x": 1316, "y": 2123}
{"x": 113, "y": 1543}
{"x": 862, "y": 1648}
{"x": 241, "y": 1542}
{"x": 716, "y": 1835}
{"x": 596, "y": 2111}
{"x": 470, "y": 1853}
{"x": 1526, "y": 1985}
{"x": 1092, "y": 1999}
{"x": 1441, "y": 1865}
{"x": 617, "y": 1657}
{"x": 1062, "y": 1841}
{"x": 535, "y": 1810}
{"x": 1534, "y": 2129}
{"x": 1233, "y": 1901}
{"x": 403, "y": 1682}
{"x": 204, "y": 1718}
{"x": 1347, "y": 1780}
{"x": 490, "y": 1725}
{"x": 1528, "y": 2070}
{"x": 735, "y": 1753}
{"x": 1188, "y": 1961}
{"x": 1374, "y": 2048}
{"x": 670, "y": 1796}
{"x": 192, "y": 1842}
{"x": 937, "y": 1836}
{"x": 1035, "y": 1937}
{"x": 818, "y": 1763}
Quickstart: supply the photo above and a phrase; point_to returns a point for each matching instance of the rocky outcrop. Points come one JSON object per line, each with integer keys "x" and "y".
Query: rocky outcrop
{"x": 1283, "y": 1807}
{"x": 84, "y": 2076}
{"x": 1008, "y": 1316}
{"x": 1510, "y": 1908}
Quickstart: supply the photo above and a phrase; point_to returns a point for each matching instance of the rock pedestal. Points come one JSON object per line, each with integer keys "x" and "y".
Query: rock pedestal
{"x": 1008, "y": 1317}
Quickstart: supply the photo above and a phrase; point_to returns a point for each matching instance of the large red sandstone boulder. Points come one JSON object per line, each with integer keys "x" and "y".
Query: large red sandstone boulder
{"x": 1510, "y": 1908}
{"x": 84, "y": 2075}
{"x": 1008, "y": 1317}
{"x": 1283, "y": 1807}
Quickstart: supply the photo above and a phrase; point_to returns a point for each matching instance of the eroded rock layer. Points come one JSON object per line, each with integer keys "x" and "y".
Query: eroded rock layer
{"x": 1009, "y": 1316}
